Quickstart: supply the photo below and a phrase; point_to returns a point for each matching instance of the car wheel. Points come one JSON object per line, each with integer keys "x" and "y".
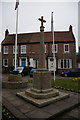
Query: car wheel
{"x": 65, "y": 75}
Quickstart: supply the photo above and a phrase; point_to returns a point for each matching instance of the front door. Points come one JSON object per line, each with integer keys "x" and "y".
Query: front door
{"x": 23, "y": 62}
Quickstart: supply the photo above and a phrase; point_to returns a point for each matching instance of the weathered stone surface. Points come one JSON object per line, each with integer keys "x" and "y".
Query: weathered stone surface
{"x": 41, "y": 95}
{"x": 42, "y": 80}
{"x": 42, "y": 102}
{"x": 14, "y": 85}
{"x": 14, "y": 78}
{"x": 14, "y": 82}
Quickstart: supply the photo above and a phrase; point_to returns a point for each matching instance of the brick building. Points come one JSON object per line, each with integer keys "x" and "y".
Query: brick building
{"x": 28, "y": 49}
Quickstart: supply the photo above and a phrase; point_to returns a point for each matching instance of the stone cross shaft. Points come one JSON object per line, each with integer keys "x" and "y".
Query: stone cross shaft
{"x": 42, "y": 47}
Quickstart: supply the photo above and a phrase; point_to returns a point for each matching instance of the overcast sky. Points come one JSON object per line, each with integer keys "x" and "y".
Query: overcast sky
{"x": 65, "y": 14}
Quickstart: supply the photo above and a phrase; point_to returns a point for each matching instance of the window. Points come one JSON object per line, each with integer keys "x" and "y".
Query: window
{"x": 66, "y": 48}
{"x": 64, "y": 63}
{"x": 5, "y": 62}
{"x": 5, "y": 49}
{"x": 14, "y": 49}
{"x": 54, "y": 48}
{"x": 23, "y": 49}
{"x": 45, "y": 48}
{"x": 14, "y": 62}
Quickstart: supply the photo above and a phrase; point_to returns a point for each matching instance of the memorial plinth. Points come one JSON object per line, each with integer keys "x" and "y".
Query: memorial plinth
{"x": 42, "y": 93}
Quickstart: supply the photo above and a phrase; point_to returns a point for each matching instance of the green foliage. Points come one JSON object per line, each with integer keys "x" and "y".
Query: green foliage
{"x": 6, "y": 114}
{"x": 29, "y": 81}
{"x": 67, "y": 84}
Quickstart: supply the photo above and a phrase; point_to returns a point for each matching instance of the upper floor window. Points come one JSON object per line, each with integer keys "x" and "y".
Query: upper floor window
{"x": 23, "y": 49}
{"x": 5, "y": 50}
{"x": 66, "y": 48}
{"x": 14, "y": 49}
{"x": 54, "y": 48}
{"x": 5, "y": 62}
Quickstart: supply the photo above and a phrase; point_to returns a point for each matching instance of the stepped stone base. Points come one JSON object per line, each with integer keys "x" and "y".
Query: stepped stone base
{"x": 41, "y": 101}
{"x": 42, "y": 94}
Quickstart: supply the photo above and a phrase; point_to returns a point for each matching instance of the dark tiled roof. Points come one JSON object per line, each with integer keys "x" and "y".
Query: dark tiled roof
{"x": 35, "y": 37}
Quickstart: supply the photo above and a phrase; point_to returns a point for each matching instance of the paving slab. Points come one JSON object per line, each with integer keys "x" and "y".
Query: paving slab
{"x": 75, "y": 113}
{"x": 23, "y": 109}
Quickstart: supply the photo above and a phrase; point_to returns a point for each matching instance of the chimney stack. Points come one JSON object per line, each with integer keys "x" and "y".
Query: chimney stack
{"x": 6, "y": 33}
{"x": 70, "y": 28}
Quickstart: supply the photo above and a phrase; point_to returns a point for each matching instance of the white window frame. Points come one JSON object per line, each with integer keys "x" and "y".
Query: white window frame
{"x": 67, "y": 60}
{"x": 14, "y": 49}
{"x": 4, "y": 63}
{"x": 23, "y": 52}
{"x": 56, "y": 48}
{"x": 5, "y": 51}
{"x": 14, "y": 62}
{"x": 66, "y": 51}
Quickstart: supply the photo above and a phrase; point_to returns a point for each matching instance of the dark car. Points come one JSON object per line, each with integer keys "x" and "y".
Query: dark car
{"x": 32, "y": 71}
{"x": 71, "y": 73}
{"x": 22, "y": 70}
{"x": 26, "y": 71}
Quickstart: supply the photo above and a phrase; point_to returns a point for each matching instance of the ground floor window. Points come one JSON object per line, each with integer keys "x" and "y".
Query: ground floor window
{"x": 5, "y": 62}
{"x": 14, "y": 62}
{"x": 64, "y": 63}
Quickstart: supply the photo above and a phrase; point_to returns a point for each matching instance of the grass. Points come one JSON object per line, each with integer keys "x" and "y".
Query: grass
{"x": 67, "y": 84}
{"x": 71, "y": 84}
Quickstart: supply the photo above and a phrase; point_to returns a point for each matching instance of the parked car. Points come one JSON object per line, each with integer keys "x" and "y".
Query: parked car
{"x": 32, "y": 71}
{"x": 17, "y": 71}
{"x": 26, "y": 71}
{"x": 22, "y": 70}
{"x": 71, "y": 73}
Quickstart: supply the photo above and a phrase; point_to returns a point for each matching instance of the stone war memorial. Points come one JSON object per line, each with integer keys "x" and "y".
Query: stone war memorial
{"x": 42, "y": 93}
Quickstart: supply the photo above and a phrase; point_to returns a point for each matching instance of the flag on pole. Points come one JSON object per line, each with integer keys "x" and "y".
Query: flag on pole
{"x": 17, "y": 3}
{"x": 16, "y": 8}
{"x": 53, "y": 46}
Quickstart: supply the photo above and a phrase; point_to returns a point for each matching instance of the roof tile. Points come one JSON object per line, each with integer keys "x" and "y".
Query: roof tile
{"x": 35, "y": 37}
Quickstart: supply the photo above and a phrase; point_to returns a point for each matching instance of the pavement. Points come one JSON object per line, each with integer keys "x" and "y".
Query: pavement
{"x": 68, "y": 108}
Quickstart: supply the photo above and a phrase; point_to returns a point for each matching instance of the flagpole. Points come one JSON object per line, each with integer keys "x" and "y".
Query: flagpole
{"x": 16, "y": 37}
{"x": 53, "y": 47}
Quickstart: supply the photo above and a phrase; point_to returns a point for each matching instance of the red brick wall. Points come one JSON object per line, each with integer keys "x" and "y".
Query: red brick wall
{"x": 32, "y": 51}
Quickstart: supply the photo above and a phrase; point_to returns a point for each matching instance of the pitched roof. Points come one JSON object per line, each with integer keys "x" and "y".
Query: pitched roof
{"x": 60, "y": 36}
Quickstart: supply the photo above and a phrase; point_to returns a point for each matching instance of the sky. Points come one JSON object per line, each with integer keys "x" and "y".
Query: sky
{"x": 65, "y": 14}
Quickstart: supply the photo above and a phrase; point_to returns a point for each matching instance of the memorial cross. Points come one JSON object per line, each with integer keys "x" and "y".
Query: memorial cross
{"x": 42, "y": 20}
